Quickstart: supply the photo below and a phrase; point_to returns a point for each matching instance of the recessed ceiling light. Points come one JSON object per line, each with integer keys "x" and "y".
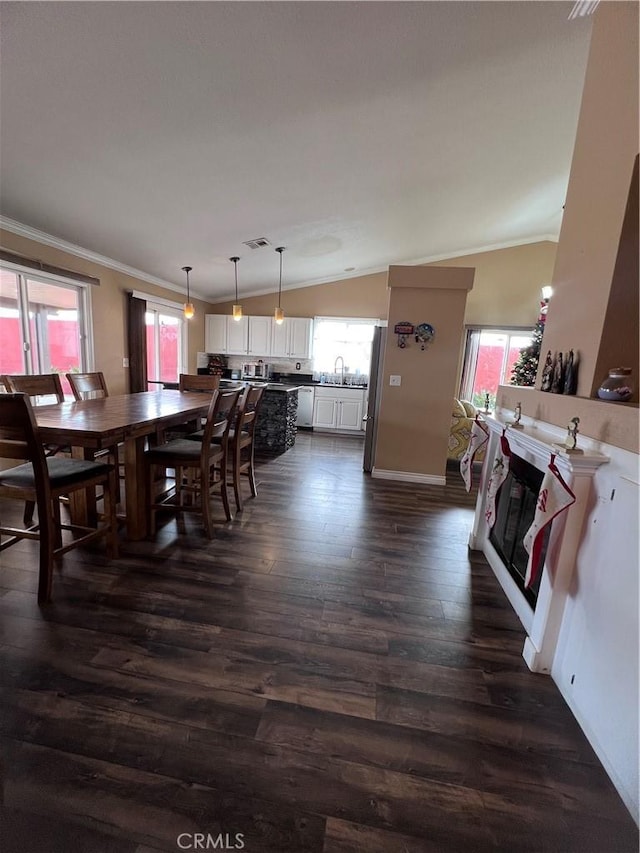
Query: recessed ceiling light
{"x": 349, "y": 269}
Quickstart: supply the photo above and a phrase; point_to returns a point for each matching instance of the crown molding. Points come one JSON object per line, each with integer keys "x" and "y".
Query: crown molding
{"x": 30, "y": 233}
{"x": 430, "y": 259}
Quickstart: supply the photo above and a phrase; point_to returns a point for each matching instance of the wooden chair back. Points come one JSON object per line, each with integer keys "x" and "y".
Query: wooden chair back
{"x": 88, "y": 386}
{"x": 249, "y": 409}
{"x": 220, "y": 417}
{"x": 193, "y": 382}
{"x": 36, "y": 386}
{"x": 20, "y": 439}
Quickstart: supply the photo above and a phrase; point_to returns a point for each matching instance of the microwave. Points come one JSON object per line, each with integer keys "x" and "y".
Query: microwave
{"x": 255, "y": 370}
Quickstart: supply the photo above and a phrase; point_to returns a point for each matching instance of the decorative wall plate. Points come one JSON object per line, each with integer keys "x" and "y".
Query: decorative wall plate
{"x": 425, "y": 333}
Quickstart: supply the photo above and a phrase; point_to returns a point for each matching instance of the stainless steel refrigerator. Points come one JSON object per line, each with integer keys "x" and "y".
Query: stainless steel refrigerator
{"x": 375, "y": 394}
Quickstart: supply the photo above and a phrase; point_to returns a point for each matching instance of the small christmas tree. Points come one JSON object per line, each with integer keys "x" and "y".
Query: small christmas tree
{"x": 526, "y": 367}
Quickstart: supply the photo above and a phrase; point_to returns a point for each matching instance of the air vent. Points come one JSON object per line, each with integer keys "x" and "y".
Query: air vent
{"x": 258, "y": 243}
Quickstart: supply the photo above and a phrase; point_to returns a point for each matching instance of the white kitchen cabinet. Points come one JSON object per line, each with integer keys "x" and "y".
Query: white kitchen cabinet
{"x": 325, "y": 412}
{"x": 225, "y": 335}
{"x": 237, "y": 335}
{"x": 350, "y": 414}
{"x": 215, "y": 333}
{"x": 293, "y": 338}
{"x": 338, "y": 408}
{"x": 259, "y": 336}
{"x": 246, "y": 336}
{"x": 301, "y": 337}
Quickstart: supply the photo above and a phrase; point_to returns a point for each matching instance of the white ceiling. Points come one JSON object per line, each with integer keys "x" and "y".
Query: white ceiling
{"x": 356, "y": 134}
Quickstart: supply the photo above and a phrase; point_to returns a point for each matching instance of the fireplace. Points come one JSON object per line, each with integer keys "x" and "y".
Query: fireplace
{"x": 540, "y": 610}
{"x": 516, "y": 508}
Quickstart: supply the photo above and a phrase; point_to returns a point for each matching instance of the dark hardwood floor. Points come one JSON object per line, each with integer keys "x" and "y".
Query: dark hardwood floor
{"x": 333, "y": 672}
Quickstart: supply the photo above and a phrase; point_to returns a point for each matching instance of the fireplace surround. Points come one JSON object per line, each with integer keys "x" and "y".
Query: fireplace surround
{"x": 531, "y": 449}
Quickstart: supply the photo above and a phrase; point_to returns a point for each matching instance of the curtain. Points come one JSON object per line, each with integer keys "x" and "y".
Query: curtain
{"x": 471, "y": 348}
{"x": 136, "y": 309}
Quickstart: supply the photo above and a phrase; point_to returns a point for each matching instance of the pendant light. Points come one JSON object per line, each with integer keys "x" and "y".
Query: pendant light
{"x": 237, "y": 309}
{"x": 278, "y": 314}
{"x": 188, "y": 309}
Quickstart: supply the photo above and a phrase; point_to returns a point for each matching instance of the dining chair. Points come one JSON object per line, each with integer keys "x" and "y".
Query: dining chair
{"x": 241, "y": 445}
{"x": 189, "y": 382}
{"x": 42, "y": 388}
{"x": 200, "y": 468}
{"x": 42, "y": 480}
{"x": 197, "y": 382}
{"x": 36, "y": 386}
{"x": 93, "y": 386}
{"x": 88, "y": 386}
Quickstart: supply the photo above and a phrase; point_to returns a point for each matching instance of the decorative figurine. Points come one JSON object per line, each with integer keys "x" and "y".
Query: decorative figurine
{"x": 571, "y": 441}
{"x": 570, "y": 385}
{"x": 487, "y": 403}
{"x": 547, "y": 373}
{"x": 558, "y": 375}
{"x": 515, "y": 424}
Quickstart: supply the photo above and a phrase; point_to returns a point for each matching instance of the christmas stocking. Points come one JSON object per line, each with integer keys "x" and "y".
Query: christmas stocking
{"x": 554, "y": 497}
{"x": 498, "y": 476}
{"x": 479, "y": 436}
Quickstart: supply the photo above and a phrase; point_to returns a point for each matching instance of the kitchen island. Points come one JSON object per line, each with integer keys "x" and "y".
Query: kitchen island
{"x": 275, "y": 430}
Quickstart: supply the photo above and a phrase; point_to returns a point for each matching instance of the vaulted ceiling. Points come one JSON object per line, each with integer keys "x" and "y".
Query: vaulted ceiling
{"x": 356, "y": 134}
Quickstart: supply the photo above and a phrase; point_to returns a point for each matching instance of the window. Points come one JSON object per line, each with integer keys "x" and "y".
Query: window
{"x": 166, "y": 343}
{"x": 350, "y": 338}
{"x": 43, "y": 325}
{"x": 488, "y": 361}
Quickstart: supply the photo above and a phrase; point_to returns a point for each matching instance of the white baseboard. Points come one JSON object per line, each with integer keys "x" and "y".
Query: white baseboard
{"x": 409, "y": 477}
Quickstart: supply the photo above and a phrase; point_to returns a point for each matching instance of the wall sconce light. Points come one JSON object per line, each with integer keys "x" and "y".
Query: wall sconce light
{"x": 188, "y": 308}
{"x": 278, "y": 314}
{"x": 236, "y": 311}
{"x": 547, "y": 292}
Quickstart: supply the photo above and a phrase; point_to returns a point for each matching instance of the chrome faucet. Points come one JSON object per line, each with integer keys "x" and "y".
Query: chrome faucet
{"x": 335, "y": 368}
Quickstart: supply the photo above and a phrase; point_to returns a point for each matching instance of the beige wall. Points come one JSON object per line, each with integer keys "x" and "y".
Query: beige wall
{"x": 605, "y": 150}
{"x": 506, "y": 290}
{"x": 414, "y": 418}
{"x": 108, "y": 303}
{"x": 506, "y": 287}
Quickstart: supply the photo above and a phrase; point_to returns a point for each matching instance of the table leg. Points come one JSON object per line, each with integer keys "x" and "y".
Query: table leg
{"x": 82, "y": 503}
{"x": 136, "y": 490}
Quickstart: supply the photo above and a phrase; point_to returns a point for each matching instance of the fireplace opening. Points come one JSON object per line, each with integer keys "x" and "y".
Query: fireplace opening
{"x": 516, "y": 506}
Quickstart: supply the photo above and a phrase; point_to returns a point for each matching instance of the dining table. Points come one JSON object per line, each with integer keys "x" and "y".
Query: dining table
{"x": 88, "y": 426}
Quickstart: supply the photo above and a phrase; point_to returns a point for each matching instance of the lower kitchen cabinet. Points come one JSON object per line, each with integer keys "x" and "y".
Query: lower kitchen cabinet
{"x": 338, "y": 408}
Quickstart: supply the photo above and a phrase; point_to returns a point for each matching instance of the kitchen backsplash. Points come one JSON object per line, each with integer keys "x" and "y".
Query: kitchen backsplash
{"x": 282, "y": 365}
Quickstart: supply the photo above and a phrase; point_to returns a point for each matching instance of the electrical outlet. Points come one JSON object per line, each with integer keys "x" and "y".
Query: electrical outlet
{"x": 125, "y": 362}
{"x": 395, "y": 380}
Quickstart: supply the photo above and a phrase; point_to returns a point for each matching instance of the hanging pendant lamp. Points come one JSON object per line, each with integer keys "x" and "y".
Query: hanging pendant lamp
{"x": 278, "y": 314}
{"x": 236, "y": 311}
{"x": 188, "y": 309}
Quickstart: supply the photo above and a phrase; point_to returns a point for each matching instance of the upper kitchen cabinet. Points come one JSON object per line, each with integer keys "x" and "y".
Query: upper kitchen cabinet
{"x": 293, "y": 338}
{"x": 237, "y": 336}
{"x": 215, "y": 333}
{"x": 246, "y": 336}
{"x": 259, "y": 336}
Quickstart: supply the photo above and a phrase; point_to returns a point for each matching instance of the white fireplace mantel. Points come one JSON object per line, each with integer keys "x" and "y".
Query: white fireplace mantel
{"x": 536, "y": 444}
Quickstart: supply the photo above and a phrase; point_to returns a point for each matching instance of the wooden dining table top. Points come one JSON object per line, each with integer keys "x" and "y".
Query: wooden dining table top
{"x": 98, "y": 423}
